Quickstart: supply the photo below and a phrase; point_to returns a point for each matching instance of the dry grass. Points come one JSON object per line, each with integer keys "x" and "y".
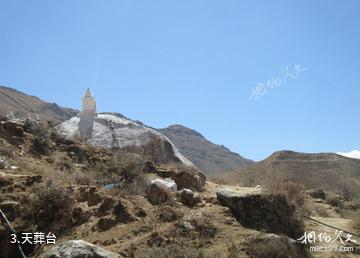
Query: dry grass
{"x": 321, "y": 211}
{"x": 220, "y": 180}
{"x": 278, "y": 247}
{"x": 356, "y": 221}
{"x": 49, "y": 207}
{"x": 292, "y": 190}
{"x": 179, "y": 250}
{"x": 6, "y": 152}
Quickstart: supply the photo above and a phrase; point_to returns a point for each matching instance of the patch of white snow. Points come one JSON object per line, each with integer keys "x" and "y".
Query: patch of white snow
{"x": 355, "y": 154}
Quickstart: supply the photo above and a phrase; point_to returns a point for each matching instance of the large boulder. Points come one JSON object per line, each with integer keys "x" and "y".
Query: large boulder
{"x": 269, "y": 212}
{"x": 78, "y": 249}
{"x": 317, "y": 193}
{"x": 188, "y": 197}
{"x": 184, "y": 177}
{"x": 157, "y": 195}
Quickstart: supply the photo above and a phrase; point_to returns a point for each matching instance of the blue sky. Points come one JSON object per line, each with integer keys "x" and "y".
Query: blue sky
{"x": 197, "y": 63}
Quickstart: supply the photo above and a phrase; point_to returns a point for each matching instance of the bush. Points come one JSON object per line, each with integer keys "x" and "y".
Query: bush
{"x": 204, "y": 226}
{"x": 125, "y": 173}
{"x": 275, "y": 247}
{"x": 178, "y": 249}
{"x": 49, "y": 207}
{"x": 292, "y": 190}
{"x": 40, "y": 146}
{"x": 335, "y": 201}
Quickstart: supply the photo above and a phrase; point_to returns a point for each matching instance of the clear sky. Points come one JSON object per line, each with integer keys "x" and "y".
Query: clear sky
{"x": 197, "y": 63}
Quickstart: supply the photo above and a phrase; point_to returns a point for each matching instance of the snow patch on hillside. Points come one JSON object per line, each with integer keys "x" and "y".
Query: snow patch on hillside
{"x": 355, "y": 154}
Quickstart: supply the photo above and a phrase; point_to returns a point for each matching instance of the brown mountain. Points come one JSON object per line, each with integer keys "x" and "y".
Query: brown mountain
{"x": 23, "y": 105}
{"x": 207, "y": 156}
{"x": 328, "y": 171}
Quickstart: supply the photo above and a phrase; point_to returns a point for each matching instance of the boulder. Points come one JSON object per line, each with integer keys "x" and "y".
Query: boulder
{"x": 188, "y": 197}
{"x": 317, "y": 193}
{"x": 94, "y": 197}
{"x": 80, "y": 216}
{"x": 106, "y": 223}
{"x": 3, "y": 164}
{"x": 193, "y": 181}
{"x": 166, "y": 183}
{"x": 13, "y": 128}
{"x": 272, "y": 213}
{"x": 78, "y": 249}
{"x": 122, "y": 213}
{"x": 184, "y": 177}
{"x": 157, "y": 195}
{"x": 106, "y": 205}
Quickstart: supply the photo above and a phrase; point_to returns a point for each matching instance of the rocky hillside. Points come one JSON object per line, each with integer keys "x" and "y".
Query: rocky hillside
{"x": 113, "y": 130}
{"x": 23, "y": 105}
{"x": 101, "y": 202}
{"x": 207, "y": 156}
{"x": 329, "y": 171}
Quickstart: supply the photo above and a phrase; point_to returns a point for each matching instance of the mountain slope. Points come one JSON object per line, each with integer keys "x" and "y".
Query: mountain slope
{"x": 209, "y": 157}
{"x": 329, "y": 171}
{"x": 23, "y": 105}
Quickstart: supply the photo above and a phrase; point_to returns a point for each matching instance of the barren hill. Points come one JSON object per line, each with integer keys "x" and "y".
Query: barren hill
{"x": 329, "y": 171}
{"x": 209, "y": 157}
{"x": 23, "y": 105}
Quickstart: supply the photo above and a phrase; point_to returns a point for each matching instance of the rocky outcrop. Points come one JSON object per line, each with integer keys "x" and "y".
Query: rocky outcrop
{"x": 272, "y": 213}
{"x": 78, "y": 249}
{"x": 184, "y": 177}
{"x": 113, "y": 130}
{"x": 188, "y": 197}
{"x": 317, "y": 193}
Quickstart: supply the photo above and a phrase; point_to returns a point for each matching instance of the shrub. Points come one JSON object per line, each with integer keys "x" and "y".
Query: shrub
{"x": 64, "y": 164}
{"x": 40, "y": 146}
{"x": 292, "y": 190}
{"x": 49, "y": 207}
{"x": 204, "y": 226}
{"x": 335, "y": 201}
{"x": 275, "y": 247}
{"x": 178, "y": 249}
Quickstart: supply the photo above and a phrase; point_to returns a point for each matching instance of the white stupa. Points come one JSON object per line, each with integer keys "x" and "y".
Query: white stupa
{"x": 88, "y": 104}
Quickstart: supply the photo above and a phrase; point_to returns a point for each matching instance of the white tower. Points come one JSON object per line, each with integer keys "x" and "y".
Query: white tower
{"x": 87, "y": 115}
{"x": 88, "y": 104}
